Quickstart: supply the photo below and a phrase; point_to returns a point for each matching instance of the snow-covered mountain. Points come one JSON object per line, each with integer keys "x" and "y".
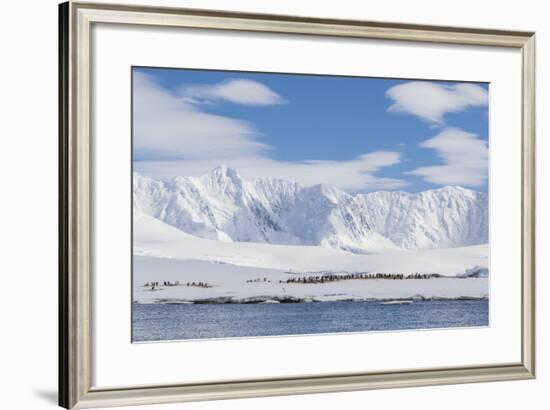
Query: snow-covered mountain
{"x": 221, "y": 205}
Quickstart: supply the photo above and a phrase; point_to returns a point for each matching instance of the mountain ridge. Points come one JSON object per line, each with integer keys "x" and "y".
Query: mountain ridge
{"x": 221, "y": 205}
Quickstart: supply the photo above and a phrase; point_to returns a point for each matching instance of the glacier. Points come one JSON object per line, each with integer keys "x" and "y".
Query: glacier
{"x": 221, "y": 205}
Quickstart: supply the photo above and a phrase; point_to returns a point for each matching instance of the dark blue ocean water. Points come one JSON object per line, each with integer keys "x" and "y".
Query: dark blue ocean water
{"x": 188, "y": 321}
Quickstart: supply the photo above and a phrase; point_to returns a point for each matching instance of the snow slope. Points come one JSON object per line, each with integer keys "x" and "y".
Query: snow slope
{"x": 222, "y": 206}
{"x": 153, "y": 237}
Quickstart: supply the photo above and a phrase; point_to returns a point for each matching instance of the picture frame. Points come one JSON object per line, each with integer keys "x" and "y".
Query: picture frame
{"x": 76, "y": 214}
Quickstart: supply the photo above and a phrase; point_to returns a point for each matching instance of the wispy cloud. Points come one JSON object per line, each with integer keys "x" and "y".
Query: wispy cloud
{"x": 166, "y": 127}
{"x": 356, "y": 175}
{"x": 431, "y": 101}
{"x": 237, "y": 91}
{"x": 174, "y": 136}
{"x": 465, "y": 158}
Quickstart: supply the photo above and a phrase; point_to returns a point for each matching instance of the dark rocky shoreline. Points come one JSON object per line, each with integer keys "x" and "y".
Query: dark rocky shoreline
{"x": 291, "y": 299}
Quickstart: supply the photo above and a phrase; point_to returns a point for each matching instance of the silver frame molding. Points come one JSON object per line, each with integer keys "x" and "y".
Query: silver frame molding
{"x": 75, "y": 353}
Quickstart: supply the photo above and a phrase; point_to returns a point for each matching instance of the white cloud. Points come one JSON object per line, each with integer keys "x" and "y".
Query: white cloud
{"x": 175, "y": 137}
{"x": 465, "y": 158}
{"x": 168, "y": 127}
{"x": 431, "y": 101}
{"x": 245, "y": 92}
{"x": 353, "y": 175}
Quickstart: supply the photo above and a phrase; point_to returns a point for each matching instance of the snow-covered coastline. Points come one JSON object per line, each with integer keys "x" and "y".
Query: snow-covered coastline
{"x": 172, "y": 265}
{"x": 237, "y": 284}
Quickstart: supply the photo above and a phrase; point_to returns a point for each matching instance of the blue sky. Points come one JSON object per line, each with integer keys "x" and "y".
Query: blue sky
{"x": 361, "y": 134}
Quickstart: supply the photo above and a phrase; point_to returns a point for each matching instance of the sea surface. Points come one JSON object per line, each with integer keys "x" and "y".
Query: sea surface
{"x": 160, "y": 322}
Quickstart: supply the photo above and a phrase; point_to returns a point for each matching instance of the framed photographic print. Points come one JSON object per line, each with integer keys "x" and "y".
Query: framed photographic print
{"x": 308, "y": 222}
{"x": 307, "y": 205}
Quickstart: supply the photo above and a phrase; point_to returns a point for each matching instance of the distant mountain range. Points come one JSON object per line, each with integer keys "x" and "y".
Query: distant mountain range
{"x": 221, "y": 205}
